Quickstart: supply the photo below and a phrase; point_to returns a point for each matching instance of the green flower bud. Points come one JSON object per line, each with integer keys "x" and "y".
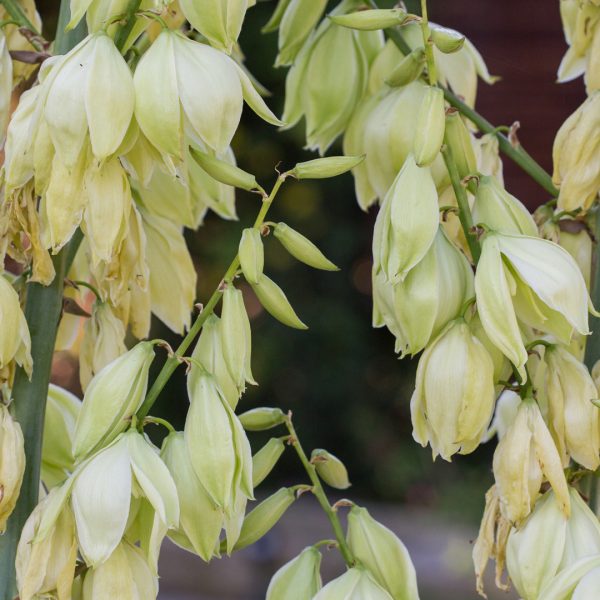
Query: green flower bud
{"x": 265, "y": 460}
{"x": 200, "y": 522}
{"x": 261, "y": 419}
{"x": 62, "y": 410}
{"x": 407, "y": 223}
{"x": 447, "y": 40}
{"x": 453, "y": 401}
{"x": 409, "y": 68}
{"x": 264, "y": 517}
{"x": 302, "y": 248}
{"x": 371, "y": 20}
{"x": 297, "y": 22}
{"x": 112, "y": 397}
{"x": 534, "y": 280}
{"x": 220, "y": 23}
{"x": 218, "y": 447}
{"x": 299, "y": 579}
{"x": 46, "y": 565}
{"x": 523, "y": 458}
{"x": 125, "y": 575}
{"x": 12, "y": 464}
{"x": 252, "y": 255}
{"x": 385, "y": 556}
{"x": 574, "y": 421}
{"x": 534, "y": 550}
{"x": 322, "y": 168}
{"x": 271, "y": 296}
{"x": 330, "y": 469}
{"x": 430, "y": 127}
{"x": 501, "y": 211}
{"x": 355, "y": 584}
{"x": 460, "y": 141}
{"x": 224, "y": 171}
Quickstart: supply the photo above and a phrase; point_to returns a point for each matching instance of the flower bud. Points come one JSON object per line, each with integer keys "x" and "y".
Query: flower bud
{"x": 523, "y": 458}
{"x": 265, "y": 460}
{"x": 125, "y": 575}
{"x": 323, "y": 168}
{"x": 224, "y": 171}
{"x": 206, "y": 84}
{"x": 385, "y": 556}
{"x": 535, "y": 549}
{"x": 15, "y": 342}
{"x": 200, "y": 522}
{"x": 371, "y": 20}
{"x": 430, "y": 127}
{"x": 453, "y": 402}
{"x": 575, "y": 156}
{"x": 574, "y": 421}
{"x": 501, "y": 211}
{"x": 447, "y": 40}
{"x": 46, "y": 564}
{"x": 218, "y": 447}
{"x": 302, "y": 248}
{"x": 219, "y": 24}
{"x": 12, "y": 464}
{"x": 330, "y": 469}
{"x": 411, "y": 67}
{"x": 297, "y": 22}
{"x": 264, "y": 517}
{"x": 62, "y": 410}
{"x": 112, "y": 397}
{"x": 299, "y": 576}
{"x": 261, "y": 419}
{"x": 252, "y": 255}
{"x": 407, "y": 222}
{"x": 103, "y": 341}
{"x": 460, "y": 141}
{"x": 272, "y": 297}
{"x": 355, "y": 584}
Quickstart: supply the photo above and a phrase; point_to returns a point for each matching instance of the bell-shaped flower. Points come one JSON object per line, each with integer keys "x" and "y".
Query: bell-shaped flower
{"x": 46, "y": 558}
{"x": 524, "y": 457}
{"x": 575, "y": 156}
{"x": 112, "y": 397}
{"x": 453, "y": 401}
{"x": 12, "y": 464}
{"x": 355, "y": 584}
{"x": 531, "y": 280}
{"x": 185, "y": 86}
{"x": 328, "y": 79}
{"x": 574, "y": 421}
{"x": 432, "y": 294}
{"x": 87, "y": 89}
{"x": 15, "y": 341}
{"x": 125, "y": 575}
{"x": 103, "y": 488}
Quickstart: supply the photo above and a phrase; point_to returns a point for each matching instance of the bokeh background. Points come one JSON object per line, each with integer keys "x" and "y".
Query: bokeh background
{"x": 341, "y": 379}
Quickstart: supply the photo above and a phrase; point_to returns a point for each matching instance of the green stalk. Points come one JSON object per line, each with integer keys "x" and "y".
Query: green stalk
{"x": 320, "y": 495}
{"x": 129, "y": 21}
{"x": 13, "y": 8}
{"x": 172, "y": 362}
{"x": 43, "y": 309}
{"x": 592, "y": 347}
{"x": 431, "y": 68}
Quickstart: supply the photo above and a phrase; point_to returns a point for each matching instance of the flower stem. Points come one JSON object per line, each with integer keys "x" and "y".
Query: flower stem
{"x": 13, "y": 8}
{"x": 128, "y": 22}
{"x": 172, "y": 363}
{"x": 426, "y": 31}
{"x": 320, "y": 494}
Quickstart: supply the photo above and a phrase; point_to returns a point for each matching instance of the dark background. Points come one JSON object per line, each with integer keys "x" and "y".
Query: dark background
{"x": 341, "y": 379}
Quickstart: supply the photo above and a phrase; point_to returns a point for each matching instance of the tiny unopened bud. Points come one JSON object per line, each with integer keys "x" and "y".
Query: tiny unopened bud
{"x": 430, "y": 127}
{"x": 272, "y": 297}
{"x": 302, "y": 248}
{"x": 300, "y": 577}
{"x": 323, "y": 168}
{"x": 252, "y": 255}
{"x": 265, "y": 460}
{"x": 371, "y": 20}
{"x": 447, "y": 40}
{"x": 330, "y": 469}
{"x": 261, "y": 419}
{"x": 460, "y": 141}
{"x": 224, "y": 171}
{"x": 410, "y": 68}
{"x": 233, "y": 333}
